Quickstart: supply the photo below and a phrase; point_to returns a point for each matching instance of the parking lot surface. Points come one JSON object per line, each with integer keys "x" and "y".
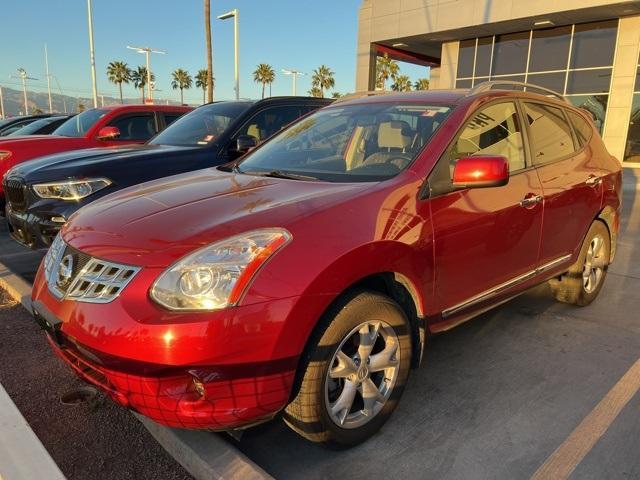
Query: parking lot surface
{"x": 494, "y": 397}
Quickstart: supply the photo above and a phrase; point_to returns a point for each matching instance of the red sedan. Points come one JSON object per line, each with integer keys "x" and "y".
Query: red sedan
{"x": 306, "y": 276}
{"x": 99, "y": 127}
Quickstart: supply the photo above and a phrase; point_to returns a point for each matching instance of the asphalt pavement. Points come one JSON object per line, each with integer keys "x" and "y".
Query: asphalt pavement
{"x": 495, "y": 397}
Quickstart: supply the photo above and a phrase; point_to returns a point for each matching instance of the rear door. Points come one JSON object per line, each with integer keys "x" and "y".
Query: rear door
{"x": 570, "y": 181}
{"x": 486, "y": 239}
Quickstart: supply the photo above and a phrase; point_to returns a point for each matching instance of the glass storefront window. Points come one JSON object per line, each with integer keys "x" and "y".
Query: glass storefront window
{"x": 594, "y": 104}
{"x": 553, "y": 81}
{"x": 594, "y": 44}
{"x": 463, "y": 83}
{"x": 589, "y": 81}
{"x": 510, "y": 53}
{"x": 465, "y": 58}
{"x": 550, "y": 49}
{"x": 632, "y": 147}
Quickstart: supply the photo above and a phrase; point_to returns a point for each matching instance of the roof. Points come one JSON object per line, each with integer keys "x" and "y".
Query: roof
{"x": 139, "y": 107}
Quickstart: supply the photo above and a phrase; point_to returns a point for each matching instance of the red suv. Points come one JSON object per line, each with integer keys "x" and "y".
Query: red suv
{"x": 99, "y": 127}
{"x": 306, "y": 276}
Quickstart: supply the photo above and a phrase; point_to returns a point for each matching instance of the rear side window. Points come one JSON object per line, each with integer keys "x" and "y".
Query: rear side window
{"x": 550, "y": 133}
{"x": 135, "y": 127}
{"x": 582, "y": 128}
{"x": 493, "y": 130}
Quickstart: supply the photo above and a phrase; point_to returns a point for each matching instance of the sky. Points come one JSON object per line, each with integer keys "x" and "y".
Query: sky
{"x": 293, "y": 34}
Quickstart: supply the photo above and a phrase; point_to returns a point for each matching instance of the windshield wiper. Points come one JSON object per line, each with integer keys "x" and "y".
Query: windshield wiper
{"x": 277, "y": 174}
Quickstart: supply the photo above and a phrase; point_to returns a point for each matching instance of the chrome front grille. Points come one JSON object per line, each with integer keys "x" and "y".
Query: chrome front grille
{"x": 15, "y": 193}
{"x": 74, "y": 275}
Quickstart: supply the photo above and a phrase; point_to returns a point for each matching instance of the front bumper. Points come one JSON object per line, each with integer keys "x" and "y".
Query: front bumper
{"x": 169, "y": 396}
{"x": 33, "y": 230}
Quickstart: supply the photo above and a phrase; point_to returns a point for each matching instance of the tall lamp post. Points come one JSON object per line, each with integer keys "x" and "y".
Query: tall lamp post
{"x": 294, "y": 74}
{"x": 147, "y": 51}
{"x": 1, "y": 103}
{"x": 234, "y": 13}
{"x": 92, "y": 55}
{"x": 22, "y": 75}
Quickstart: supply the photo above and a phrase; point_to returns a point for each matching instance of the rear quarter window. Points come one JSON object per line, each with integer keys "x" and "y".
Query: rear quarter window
{"x": 582, "y": 128}
{"x": 551, "y": 135}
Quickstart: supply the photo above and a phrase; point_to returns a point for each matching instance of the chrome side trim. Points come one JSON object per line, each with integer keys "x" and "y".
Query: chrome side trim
{"x": 492, "y": 292}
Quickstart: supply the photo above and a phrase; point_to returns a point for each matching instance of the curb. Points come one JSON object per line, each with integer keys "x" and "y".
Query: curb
{"x": 204, "y": 455}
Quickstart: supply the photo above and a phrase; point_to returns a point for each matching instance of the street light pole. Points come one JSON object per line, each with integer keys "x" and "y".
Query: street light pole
{"x": 22, "y": 75}
{"x": 46, "y": 62}
{"x": 294, "y": 74}
{"x": 234, "y": 13}
{"x": 147, "y": 51}
{"x": 1, "y": 103}
{"x": 92, "y": 55}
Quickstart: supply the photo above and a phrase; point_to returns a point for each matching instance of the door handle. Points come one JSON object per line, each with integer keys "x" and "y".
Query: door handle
{"x": 593, "y": 181}
{"x": 531, "y": 200}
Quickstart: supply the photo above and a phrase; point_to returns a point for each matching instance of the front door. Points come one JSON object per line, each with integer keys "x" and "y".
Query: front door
{"x": 486, "y": 239}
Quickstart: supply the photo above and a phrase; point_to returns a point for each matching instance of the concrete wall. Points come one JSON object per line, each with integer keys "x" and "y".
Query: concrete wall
{"x": 622, "y": 83}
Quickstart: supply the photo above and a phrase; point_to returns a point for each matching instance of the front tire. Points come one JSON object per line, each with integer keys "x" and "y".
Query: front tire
{"x": 583, "y": 282}
{"x": 355, "y": 373}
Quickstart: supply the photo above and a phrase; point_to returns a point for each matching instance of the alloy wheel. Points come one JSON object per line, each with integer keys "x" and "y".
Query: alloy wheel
{"x": 594, "y": 264}
{"x": 362, "y": 374}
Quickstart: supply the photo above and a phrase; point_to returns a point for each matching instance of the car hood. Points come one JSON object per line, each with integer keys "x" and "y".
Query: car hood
{"x": 62, "y": 165}
{"x": 158, "y": 222}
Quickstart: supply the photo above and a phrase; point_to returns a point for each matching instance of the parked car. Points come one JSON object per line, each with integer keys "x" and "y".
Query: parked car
{"x": 42, "y": 126}
{"x": 98, "y": 127}
{"x": 44, "y": 193}
{"x": 305, "y": 277}
{"x": 11, "y": 124}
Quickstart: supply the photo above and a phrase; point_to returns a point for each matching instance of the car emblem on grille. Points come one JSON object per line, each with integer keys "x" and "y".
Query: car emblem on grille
{"x": 65, "y": 272}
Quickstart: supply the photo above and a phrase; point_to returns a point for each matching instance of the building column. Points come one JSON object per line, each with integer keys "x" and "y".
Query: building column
{"x": 449, "y": 67}
{"x": 622, "y": 82}
{"x": 364, "y": 57}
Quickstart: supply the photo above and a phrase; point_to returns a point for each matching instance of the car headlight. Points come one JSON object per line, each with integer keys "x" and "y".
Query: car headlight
{"x": 71, "y": 189}
{"x": 216, "y": 276}
{"x": 4, "y": 154}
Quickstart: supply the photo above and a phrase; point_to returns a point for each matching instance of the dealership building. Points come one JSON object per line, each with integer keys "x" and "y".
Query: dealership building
{"x": 588, "y": 50}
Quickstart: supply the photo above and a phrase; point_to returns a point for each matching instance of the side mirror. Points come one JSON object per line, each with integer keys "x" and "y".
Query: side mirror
{"x": 481, "y": 171}
{"x": 244, "y": 143}
{"x": 108, "y": 133}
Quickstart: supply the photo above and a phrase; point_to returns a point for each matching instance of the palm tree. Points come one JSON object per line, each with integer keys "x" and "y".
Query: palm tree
{"x": 315, "y": 92}
{"x": 336, "y": 95}
{"x": 207, "y": 31}
{"x": 139, "y": 79}
{"x": 264, "y": 74}
{"x": 401, "y": 84}
{"x": 118, "y": 73}
{"x": 181, "y": 80}
{"x": 421, "y": 84}
{"x": 202, "y": 82}
{"x": 386, "y": 69}
{"x": 322, "y": 79}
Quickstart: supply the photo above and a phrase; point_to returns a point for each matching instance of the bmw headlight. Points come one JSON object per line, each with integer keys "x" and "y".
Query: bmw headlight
{"x": 70, "y": 189}
{"x": 216, "y": 276}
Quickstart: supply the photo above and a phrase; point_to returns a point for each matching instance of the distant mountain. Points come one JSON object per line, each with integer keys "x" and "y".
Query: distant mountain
{"x": 14, "y": 102}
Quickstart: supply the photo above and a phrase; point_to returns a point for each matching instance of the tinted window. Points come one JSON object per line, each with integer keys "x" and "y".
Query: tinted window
{"x": 352, "y": 143}
{"x": 465, "y": 58}
{"x": 554, "y": 81}
{"x": 42, "y": 127}
{"x": 550, "y": 49}
{"x": 203, "y": 126}
{"x": 463, "y": 83}
{"x": 550, "y": 134}
{"x": 16, "y": 127}
{"x": 483, "y": 56}
{"x": 510, "y": 53}
{"x": 267, "y": 122}
{"x": 594, "y": 44}
{"x": 79, "y": 125}
{"x": 169, "y": 118}
{"x": 135, "y": 127}
{"x": 494, "y": 130}
{"x": 596, "y": 105}
{"x": 581, "y": 126}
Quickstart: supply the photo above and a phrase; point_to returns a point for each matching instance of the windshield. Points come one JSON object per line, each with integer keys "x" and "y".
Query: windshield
{"x": 33, "y": 127}
{"x": 201, "y": 127}
{"x": 79, "y": 125}
{"x": 354, "y": 143}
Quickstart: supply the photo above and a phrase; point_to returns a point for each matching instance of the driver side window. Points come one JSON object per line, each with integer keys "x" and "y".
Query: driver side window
{"x": 269, "y": 121}
{"x": 494, "y": 130}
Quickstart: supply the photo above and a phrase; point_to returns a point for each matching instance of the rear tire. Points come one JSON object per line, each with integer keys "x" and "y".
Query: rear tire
{"x": 355, "y": 373}
{"x": 583, "y": 282}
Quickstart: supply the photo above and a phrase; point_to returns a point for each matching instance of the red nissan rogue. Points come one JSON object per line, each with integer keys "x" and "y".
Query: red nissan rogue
{"x": 305, "y": 277}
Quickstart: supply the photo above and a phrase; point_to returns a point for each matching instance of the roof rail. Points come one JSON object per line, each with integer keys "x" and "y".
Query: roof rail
{"x": 527, "y": 87}
{"x": 365, "y": 93}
